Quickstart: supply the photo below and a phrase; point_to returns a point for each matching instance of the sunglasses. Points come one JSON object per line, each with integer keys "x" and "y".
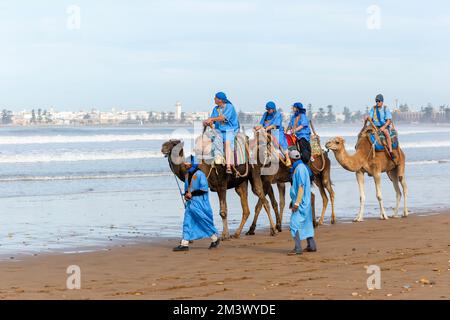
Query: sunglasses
{"x": 377, "y": 101}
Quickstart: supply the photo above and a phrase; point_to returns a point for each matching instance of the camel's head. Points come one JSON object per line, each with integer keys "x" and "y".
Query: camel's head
{"x": 169, "y": 146}
{"x": 335, "y": 144}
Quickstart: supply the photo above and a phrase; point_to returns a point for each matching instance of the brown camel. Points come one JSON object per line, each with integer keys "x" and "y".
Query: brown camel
{"x": 219, "y": 181}
{"x": 366, "y": 160}
{"x": 321, "y": 168}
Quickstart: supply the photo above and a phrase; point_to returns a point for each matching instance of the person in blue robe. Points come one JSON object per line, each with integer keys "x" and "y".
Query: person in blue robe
{"x": 225, "y": 120}
{"x": 299, "y": 126}
{"x": 382, "y": 118}
{"x": 272, "y": 121}
{"x": 301, "y": 224}
{"x": 198, "y": 215}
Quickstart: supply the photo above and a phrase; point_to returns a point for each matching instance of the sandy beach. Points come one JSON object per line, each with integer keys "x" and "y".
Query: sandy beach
{"x": 413, "y": 254}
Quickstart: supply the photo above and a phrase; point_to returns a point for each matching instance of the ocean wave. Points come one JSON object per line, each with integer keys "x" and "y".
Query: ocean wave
{"x": 17, "y": 140}
{"x": 182, "y": 133}
{"x": 417, "y": 145}
{"x": 78, "y": 156}
{"x": 85, "y": 177}
{"x": 411, "y": 163}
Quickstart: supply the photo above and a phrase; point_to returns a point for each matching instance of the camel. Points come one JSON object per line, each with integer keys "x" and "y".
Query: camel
{"x": 219, "y": 181}
{"x": 321, "y": 168}
{"x": 366, "y": 160}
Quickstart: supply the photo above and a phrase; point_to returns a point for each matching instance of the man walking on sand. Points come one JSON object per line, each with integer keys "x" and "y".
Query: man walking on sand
{"x": 301, "y": 225}
{"x": 198, "y": 216}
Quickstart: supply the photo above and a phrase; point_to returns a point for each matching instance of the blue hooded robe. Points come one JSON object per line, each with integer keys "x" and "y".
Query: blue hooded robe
{"x": 305, "y": 132}
{"x": 230, "y": 127}
{"x": 301, "y": 220}
{"x": 275, "y": 119}
{"x": 198, "y": 216}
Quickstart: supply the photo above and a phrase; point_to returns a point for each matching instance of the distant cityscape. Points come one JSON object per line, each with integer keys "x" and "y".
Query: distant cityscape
{"x": 320, "y": 115}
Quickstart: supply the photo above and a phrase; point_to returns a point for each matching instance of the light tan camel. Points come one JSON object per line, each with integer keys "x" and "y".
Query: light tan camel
{"x": 366, "y": 160}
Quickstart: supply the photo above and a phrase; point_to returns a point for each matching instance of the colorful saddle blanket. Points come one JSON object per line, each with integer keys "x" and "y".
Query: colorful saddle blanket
{"x": 382, "y": 139}
{"x": 316, "y": 149}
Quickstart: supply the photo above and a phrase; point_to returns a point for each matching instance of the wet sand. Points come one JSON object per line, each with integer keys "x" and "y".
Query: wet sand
{"x": 413, "y": 254}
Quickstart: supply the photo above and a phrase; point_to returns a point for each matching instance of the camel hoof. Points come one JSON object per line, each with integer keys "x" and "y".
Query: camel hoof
{"x": 320, "y": 222}
{"x": 250, "y": 233}
{"x": 358, "y": 220}
{"x": 394, "y": 216}
{"x": 384, "y": 217}
{"x": 225, "y": 237}
{"x": 273, "y": 232}
{"x": 405, "y": 214}
{"x": 235, "y": 236}
{"x": 333, "y": 221}
{"x": 279, "y": 228}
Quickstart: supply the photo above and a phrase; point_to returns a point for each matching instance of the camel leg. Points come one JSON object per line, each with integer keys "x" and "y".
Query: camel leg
{"x": 324, "y": 199}
{"x": 327, "y": 184}
{"x": 269, "y": 191}
{"x": 362, "y": 196}
{"x": 281, "y": 192}
{"x": 258, "y": 190}
{"x": 242, "y": 191}
{"x": 223, "y": 213}
{"x": 313, "y": 209}
{"x": 405, "y": 196}
{"x": 398, "y": 194}
{"x": 377, "y": 179}
{"x": 258, "y": 208}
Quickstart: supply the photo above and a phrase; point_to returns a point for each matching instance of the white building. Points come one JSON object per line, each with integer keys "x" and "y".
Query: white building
{"x": 178, "y": 111}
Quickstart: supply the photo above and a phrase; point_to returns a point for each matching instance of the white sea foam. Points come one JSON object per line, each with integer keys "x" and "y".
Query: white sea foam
{"x": 78, "y": 156}
{"x": 183, "y": 133}
{"x": 15, "y": 140}
{"x": 416, "y": 145}
{"x": 84, "y": 177}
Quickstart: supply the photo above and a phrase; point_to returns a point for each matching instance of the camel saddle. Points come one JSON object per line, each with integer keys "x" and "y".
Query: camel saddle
{"x": 210, "y": 147}
{"x": 380, "y": 147}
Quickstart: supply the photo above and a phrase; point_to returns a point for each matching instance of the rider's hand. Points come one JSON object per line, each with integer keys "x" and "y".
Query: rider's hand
{"x": 294, "y": 207}
{"x": 188, "y": 196}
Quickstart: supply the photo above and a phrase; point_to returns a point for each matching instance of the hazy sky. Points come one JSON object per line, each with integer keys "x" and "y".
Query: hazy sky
{"x": 149, "y": 54}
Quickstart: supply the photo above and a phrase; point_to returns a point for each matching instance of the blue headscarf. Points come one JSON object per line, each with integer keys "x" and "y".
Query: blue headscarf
{"x": 299, "y": 108}
{"x": 191, "y": 172}
{"x": 271, "y": 106}
{"x": 222, "y": 96}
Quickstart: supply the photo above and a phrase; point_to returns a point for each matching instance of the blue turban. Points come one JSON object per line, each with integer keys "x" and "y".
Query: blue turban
{"x": 299, "y": 107}
{"x": 222, "y": 96}
{"x": 271, "y": 106}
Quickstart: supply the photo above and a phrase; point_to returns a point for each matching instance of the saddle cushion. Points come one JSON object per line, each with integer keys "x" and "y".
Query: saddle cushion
{"x": 211, "y": 147}
{"x": 382, "y": 138}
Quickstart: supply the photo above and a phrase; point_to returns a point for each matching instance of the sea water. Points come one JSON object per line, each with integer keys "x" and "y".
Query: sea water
{"x": 81, "y": 188}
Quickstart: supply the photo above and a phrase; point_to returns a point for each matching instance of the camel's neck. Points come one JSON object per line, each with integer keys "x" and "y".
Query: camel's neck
{"x": 180, "y": 172}
{"x": 176, "y": 169}
{"x": 353, "y": 162}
